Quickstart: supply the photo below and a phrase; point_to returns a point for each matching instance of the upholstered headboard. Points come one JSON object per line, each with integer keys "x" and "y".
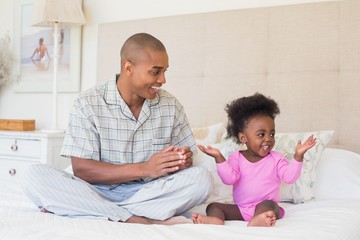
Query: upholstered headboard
{"x": 306, "y": 57}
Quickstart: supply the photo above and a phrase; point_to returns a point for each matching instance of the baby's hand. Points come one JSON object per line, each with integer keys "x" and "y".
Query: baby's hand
{"x": 213, "y": 152}
{"x": 301, "y": 149}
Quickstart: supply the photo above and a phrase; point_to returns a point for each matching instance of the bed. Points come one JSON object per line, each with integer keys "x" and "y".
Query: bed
{"x": 323, "y": 204}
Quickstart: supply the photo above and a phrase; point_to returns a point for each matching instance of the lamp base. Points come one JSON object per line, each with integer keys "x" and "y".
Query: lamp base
{"x": 54, "y": 130}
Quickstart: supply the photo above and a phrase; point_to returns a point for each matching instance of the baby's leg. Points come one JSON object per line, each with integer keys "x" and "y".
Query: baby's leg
{"x": 217, "y": 213}
{"x": 266, "y": 214}
{"x": 203, "y": 219}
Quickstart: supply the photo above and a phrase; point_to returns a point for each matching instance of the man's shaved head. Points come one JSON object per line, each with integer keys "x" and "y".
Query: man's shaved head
{"x": 130, "y": 51}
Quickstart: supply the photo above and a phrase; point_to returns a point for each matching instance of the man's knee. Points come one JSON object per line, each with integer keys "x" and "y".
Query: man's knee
{"x": 32, "y": 172}
{"x": 32, "y": 181}
{"x": 38, "y": 174}
{"x": 202, "y": 181}
{"x": 201, "y": 176}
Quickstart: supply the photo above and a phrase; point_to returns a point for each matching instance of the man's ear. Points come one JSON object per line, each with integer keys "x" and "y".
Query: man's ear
{"x": 242, "y": 137}
{"x": 128, "y": 67}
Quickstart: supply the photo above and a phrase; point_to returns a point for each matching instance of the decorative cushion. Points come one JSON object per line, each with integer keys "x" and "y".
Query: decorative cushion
{"x": 213, "y": 135}
{"x": 303, "y": 189}
{"x": 209, "y": 135}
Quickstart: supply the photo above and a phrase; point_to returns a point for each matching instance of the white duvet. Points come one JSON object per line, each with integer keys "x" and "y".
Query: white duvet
{"x": 327, "y": 219}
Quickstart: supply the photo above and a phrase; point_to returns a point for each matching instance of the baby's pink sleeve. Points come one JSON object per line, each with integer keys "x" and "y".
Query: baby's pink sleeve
{"x": 228, "y": 171}
{"x": 289, "y": 172}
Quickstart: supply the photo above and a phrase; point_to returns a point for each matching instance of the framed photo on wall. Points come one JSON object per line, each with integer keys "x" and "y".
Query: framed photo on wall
{"x": 34, "y": 48}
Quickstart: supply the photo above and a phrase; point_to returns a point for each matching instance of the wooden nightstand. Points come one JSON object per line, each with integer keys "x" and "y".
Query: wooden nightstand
{"x": 20, "y": 149}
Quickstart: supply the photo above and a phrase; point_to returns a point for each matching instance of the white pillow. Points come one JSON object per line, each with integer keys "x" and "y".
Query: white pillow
{"x": 338, "y": 175}
{"x": 303, "y": 189}
{"x": 209, "y": 135}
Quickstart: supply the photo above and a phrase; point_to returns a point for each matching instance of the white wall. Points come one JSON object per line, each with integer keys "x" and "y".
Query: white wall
{"x": 38, "y": 105}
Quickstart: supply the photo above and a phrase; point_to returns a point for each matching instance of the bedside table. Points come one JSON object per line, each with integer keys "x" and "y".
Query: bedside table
{"x": 20, "y": 149}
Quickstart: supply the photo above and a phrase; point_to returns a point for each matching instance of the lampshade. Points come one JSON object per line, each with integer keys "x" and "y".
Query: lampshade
{"x": 66, "y": 13}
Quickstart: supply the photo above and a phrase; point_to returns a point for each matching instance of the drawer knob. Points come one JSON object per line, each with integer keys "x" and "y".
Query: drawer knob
{"x": 14, "y": 147}
{"x": 12, "y": 171}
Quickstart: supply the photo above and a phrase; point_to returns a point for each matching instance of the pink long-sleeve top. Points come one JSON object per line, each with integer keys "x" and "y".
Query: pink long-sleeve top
{"x": 259, "y": 181}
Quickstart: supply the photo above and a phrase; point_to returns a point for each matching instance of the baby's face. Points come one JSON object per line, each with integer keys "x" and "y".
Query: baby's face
{"x": 260, "y": 135}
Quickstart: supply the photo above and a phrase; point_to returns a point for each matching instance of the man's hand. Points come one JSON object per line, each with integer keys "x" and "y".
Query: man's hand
{"x": 167, "y": 161}
{"x": 187, "y": 154}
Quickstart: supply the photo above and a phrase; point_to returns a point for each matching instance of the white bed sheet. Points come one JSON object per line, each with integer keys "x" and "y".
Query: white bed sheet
{"x": 327, "y": 219}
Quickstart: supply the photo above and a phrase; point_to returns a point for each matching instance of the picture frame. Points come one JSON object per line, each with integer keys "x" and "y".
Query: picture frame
{"x": 34, "y": 70}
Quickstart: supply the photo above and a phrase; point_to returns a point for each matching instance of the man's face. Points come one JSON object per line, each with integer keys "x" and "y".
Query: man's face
{"x": 149, "y": 73}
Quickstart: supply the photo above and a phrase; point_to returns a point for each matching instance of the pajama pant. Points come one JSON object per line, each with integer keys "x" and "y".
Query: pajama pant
{"x": 66, "y": 195}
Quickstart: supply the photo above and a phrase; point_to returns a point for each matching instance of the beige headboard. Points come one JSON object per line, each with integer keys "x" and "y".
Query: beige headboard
{"x": 306, "y": 57}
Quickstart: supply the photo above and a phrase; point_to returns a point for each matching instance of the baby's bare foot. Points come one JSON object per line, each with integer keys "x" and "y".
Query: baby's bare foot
{"x": 202, "y": 219}
{"x": 265, "y": 219}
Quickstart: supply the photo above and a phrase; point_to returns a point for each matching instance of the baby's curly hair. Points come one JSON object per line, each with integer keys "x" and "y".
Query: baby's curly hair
{"x": 240, "y": 111}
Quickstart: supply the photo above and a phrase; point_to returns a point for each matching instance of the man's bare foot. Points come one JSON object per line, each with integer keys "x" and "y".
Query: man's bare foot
{"x": 265, "y": 219}
{"x": 201, "y": 219}
{"x": 141, "y": 220}
{"x": 169, "y": 221}
{"x": 44, "y": 210}
{"x": 174, "y": 220}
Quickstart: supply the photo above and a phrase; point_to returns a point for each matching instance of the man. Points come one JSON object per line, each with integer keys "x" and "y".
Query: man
{"x": 131, "y": 148}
